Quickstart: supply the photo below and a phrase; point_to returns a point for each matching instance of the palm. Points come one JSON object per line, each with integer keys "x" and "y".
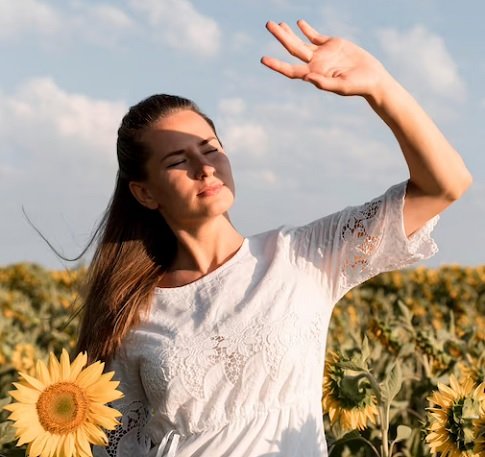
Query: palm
{"x": 330, "y": 63}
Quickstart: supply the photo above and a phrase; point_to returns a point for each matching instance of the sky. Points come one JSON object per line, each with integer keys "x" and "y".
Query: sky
{"x": 72, "y": 68}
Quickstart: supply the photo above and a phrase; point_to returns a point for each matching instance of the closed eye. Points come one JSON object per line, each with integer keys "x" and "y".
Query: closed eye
{"x": 179, "y": 162}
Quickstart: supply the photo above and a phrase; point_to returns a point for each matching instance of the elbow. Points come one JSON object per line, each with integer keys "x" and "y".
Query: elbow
{"x": 460, "y": 188}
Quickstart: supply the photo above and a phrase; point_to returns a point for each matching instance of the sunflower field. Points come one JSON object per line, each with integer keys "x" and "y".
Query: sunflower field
{"x": 404, "y": 368}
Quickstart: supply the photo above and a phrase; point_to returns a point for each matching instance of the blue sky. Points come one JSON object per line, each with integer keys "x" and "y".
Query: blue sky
{"x": 70, "y": 70}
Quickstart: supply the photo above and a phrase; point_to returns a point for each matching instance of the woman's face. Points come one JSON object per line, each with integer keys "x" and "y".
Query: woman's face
{"x": 189, "y": 175}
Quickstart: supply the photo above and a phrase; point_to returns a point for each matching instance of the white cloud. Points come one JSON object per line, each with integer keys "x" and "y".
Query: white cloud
{"x": 423, "y": 62}
{"x": 181, "y": 26}
{"x": 17, "y": 17}
{"x": 232, "y": 106}
{"x": 40, "y": 107}
{"x": 58, "y": 161}
{"x": 304, "y": 142}
{"x": 108, "y": 14}
{"x": 99, "y": 23}
{"x": 245, "y": 138}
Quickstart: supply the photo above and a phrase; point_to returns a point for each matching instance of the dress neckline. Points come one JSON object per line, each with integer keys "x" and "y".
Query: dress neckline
{"x": 209, "y": 276}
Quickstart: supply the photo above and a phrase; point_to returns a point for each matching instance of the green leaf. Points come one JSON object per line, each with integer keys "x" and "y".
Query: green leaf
{"x": 350, "y": 365}
{"x": 14, "y": 453}
{"x": 470, "y": 409}
{"x": 4, "y": 402}
{"x": 407, "y": 314}
{"x": 393, "y": 382}
{"x": 354, "y": 434}
{"x": 365, "y": 350}
{"x": 403, "y": 433}
{"x": 7, "y": 433}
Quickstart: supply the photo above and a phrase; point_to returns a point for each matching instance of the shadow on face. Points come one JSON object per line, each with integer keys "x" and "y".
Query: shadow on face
{"x": 188, "y": 174}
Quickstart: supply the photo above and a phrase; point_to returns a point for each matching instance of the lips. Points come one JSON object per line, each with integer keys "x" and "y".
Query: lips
{"x": 207, "y": 191}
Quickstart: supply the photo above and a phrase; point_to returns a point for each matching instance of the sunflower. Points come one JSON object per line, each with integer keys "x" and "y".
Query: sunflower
{"x": 348, "y": 406}
{"x": 480, "y": 437}
{"x": 453, "y": 417}
{"x": 61, "y": 410}
{"x": 23, "y": 358}
{"x": 472, "y": 367}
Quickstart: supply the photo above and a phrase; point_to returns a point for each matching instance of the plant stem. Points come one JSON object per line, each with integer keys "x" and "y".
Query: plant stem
{"x": 360, "y": 438}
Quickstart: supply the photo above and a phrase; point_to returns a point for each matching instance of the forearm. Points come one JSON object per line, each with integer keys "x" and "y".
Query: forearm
{"x": 434, "y": 165}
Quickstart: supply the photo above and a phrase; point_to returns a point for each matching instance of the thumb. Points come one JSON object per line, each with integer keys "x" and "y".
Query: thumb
{"x": 322, "y": 82}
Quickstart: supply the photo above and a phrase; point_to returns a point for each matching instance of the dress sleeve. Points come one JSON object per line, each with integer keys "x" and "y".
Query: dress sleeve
{"x": 130, "y": 438}
{"x": 348, "y": 247}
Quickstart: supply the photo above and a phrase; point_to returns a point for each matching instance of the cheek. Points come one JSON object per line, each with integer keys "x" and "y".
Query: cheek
{"x": 176, "y": 186}
{"x": 225, "y": 169}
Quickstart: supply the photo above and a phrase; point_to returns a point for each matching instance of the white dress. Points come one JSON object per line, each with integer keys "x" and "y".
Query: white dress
{"x": 232, "y": 363}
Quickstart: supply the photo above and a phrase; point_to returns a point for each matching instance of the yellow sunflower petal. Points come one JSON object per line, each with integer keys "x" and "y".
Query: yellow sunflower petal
{"x": 83, "y": 443}
{"x": 24, "y": 394}
{"x": 68, "y": 444}
{"x": 54, "y": 368}
{"x": 95, "y": 434}
{"x": 59, "y": 451}
{"x": 19, "y": 410}
{"x": 102, "y": 410}
{"x": 14, "y": 406}
{"x": 29, "y": 434}
{"x": 43, "y": 373}
{"x": 104, "y": 416}
{"x": 90, "y": 374}
{"x": 52, "y": 445}
{"x": 77, "y": 365}
{"x": 38, "y": 444}
{"x": 105, "y": 377}
{"x": 104, "y": 392}
{"x": 33, "y": 382}
{"x": 444, "y": 389}
{"x": 454, "y": 383}
{"x": 65, "y": 365}
{"x": 46, "y": 451}
{"x": 27, "y": 422}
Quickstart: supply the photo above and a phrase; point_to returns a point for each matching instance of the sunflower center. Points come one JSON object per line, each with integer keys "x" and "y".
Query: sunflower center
{"x": 62, "y": 407}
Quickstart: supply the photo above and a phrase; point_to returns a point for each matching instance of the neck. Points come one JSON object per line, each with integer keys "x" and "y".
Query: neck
{"x": 204, "y": 247}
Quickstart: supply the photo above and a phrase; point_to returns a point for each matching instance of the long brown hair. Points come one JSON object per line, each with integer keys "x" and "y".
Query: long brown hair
{"x": 134, "y": 244}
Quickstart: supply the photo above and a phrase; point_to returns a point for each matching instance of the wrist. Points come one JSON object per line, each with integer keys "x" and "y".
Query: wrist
{"x": 383, "y": 92}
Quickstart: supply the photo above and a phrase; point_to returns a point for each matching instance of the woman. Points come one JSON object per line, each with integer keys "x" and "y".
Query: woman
{"x": 218, "y": 340}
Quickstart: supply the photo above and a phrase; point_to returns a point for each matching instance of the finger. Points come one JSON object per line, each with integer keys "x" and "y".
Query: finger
{"x": 323, "y": 82}
{"x": 290, "y": 41}
{"x": 290, "y": 71}
{"x": 315, "y": 37}
{"x": 295, "y": 37}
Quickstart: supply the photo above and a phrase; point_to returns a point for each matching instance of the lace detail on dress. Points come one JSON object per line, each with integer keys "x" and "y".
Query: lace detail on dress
{"x": 374, "y": 240}
{"x": 234, "y": 349}
{"x": 134, "y": 419}
{"x": 356, "y": 232}
{"x": 185, "y": 368}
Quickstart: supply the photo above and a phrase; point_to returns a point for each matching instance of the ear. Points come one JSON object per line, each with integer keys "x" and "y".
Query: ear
{"x": 142, "y": 194}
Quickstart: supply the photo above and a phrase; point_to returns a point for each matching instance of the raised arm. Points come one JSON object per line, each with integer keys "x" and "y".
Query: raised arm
{"x": 438, "y": 175}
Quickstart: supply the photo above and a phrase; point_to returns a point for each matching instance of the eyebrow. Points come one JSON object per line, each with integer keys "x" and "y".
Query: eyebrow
{"x": 181, "y": 151}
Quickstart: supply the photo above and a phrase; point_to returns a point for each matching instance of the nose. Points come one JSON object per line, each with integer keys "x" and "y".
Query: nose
{"x": 203, "y": 168}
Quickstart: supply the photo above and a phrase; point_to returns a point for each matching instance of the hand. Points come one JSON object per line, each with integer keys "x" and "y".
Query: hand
{"x": 331, "y": 64}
